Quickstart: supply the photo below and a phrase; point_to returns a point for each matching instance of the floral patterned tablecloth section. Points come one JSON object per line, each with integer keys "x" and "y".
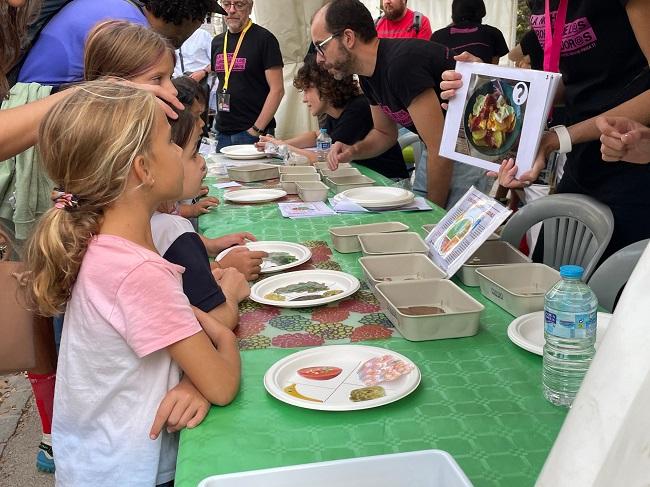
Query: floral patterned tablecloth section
{"x": 354, "y": 319}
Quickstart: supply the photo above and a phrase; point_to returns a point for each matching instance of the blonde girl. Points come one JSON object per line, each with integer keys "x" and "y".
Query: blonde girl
{"x": 121, "y": 49}
{"x": 129, "y": 330}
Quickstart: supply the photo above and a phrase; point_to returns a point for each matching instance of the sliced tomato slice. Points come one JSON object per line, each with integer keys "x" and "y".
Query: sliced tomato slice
{"x": 323, "y": 372}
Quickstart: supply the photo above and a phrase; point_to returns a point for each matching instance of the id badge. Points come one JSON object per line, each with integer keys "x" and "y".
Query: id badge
{"x": 223, "y": 102}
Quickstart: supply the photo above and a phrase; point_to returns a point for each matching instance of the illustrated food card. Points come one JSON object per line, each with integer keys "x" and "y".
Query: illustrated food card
{"x": 463, "y": 229}
{"x": 498, "y": 113}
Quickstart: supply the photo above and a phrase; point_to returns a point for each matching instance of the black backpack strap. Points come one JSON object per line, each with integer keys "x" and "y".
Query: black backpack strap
{"x": 417, "y": 22}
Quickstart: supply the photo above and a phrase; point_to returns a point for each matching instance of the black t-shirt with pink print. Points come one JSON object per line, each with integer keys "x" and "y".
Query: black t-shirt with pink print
{"x": 405, "y": 68}
{"x": 247, "y": 87}
{"x": 602, "y": 66}
{"x": 600, "y": 59}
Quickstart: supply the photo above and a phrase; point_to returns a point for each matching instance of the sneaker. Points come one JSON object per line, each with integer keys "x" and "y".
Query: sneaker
{"x": 44, "y": 459}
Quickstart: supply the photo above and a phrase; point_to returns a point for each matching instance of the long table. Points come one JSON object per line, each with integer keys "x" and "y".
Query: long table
{"x": 480, "y": 397}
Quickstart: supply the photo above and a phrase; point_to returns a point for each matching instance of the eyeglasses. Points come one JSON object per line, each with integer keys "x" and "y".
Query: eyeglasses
{"x": 238, "y": 5}
{"x": 319, "y": 45}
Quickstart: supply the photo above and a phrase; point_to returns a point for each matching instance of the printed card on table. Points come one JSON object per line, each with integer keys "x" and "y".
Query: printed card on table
{"x": 463, "y": 229}
{"x": 498, "y": 113}
{"x": 304, "y": 210}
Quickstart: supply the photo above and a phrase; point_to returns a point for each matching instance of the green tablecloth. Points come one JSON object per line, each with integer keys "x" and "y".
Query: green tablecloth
{"x": 480, "y": 398}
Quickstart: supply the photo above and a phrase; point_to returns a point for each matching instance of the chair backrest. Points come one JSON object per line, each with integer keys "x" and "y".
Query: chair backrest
{"x": 577, "y": 229}
{"x": 610, "y": 277}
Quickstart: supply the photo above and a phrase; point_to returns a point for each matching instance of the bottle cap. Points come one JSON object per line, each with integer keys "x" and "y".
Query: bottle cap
{"x": 571, "y": 271}
{"x": 323, "y": 131}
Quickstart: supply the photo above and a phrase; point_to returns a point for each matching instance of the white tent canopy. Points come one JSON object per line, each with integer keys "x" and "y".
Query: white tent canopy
{"x": 289, "y": 21}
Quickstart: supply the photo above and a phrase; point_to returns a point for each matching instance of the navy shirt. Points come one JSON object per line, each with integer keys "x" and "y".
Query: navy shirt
{"x": 178, "y": 243}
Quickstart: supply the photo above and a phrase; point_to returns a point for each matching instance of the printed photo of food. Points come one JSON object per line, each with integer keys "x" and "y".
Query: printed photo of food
{"x": 493, "y": 117}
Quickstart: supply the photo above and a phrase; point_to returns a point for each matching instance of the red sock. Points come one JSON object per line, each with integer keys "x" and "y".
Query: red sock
{"x": 43, "y": 388}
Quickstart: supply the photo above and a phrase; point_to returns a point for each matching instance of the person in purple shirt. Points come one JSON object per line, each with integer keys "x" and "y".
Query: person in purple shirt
{"x": 56, "y": 57}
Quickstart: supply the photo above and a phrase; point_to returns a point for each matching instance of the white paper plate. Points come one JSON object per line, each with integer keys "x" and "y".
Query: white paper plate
{"x": 379, "y": 196}
{"x": 254, "y": 195}
{"x": 333, "y": 280}
{"x": 300, "y": 252}
{"x": 527, "y": 331}
{"x": 334, "y": 394}
{"x": 244, "y": 152}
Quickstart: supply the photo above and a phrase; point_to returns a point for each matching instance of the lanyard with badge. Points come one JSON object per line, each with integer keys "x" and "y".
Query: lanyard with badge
{"x": 553, "y": 36}
{"x": 223, "y": 98}
{"x": 552, "y": 52}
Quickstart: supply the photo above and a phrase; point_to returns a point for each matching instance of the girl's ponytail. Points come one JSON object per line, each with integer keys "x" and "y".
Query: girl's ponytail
{"x": 87, "y": 144}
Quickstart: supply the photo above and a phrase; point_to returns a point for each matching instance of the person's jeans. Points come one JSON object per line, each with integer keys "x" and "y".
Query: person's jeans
{"x": 224, "y": 140}
{"x": 463, "y": 177}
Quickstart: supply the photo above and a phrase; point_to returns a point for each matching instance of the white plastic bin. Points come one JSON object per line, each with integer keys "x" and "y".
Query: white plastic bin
{"x": 426, "y": 468}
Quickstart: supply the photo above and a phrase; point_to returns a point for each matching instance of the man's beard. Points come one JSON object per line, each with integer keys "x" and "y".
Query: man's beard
{"x": 342, "y": 68}
{"x": 395, "y": 13}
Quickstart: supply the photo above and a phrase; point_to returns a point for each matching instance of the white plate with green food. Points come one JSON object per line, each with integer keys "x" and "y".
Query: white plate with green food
{"x": 331, "y": 378}
{"x": 282, "y": 255}
{"x": 304, "y": 289}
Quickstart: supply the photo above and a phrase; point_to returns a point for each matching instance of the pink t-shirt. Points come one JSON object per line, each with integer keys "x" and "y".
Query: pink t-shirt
{"x": 401, "y": 29}
{"x": 127, "y": 306}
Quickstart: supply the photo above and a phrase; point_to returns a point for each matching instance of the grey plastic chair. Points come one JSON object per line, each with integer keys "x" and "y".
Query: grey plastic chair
{"x": 610, "y": 277}
{"x": 577, "y": 229}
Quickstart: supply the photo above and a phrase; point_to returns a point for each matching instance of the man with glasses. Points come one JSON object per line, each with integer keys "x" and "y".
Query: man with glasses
{"x": 400, "y": 77}
{"x": 248, "y": 64}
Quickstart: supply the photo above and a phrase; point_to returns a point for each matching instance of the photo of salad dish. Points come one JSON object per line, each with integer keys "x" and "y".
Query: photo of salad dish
{"x": 492, "y": 120}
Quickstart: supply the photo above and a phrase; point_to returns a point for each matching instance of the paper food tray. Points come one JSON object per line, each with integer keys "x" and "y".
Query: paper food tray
{"x": 427, "y": 468}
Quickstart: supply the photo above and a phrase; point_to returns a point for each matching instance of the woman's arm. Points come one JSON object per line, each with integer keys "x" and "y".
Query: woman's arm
{"x": 19, "y": 126}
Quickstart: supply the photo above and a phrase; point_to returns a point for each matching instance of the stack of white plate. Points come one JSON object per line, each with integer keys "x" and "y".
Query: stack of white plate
{"x": 379, "y": 197}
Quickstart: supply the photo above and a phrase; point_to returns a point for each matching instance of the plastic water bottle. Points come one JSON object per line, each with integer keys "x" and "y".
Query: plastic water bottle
{"x": 323, "y": 145}
{"x": 570, "y": 310}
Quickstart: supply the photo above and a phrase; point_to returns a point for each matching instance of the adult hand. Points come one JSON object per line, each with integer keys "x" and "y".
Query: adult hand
{"x": 246, "y": 261}
{"x": 233, "y": 283}
{"x": 624, "y": 139}
{"x": 508, "y": 170}
{"x": 452, "y": 80}
{"x": 252, "y": 132}
{"x": 165, "y": 97}
{"x": 198, "y": 75}
{"x": 182, "y": 407}
{"x": 339, "y": 154}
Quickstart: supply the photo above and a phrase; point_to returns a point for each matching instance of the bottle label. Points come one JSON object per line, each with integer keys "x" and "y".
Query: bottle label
{"x": 324, "y": 146}
{"x": 569, "y": 325}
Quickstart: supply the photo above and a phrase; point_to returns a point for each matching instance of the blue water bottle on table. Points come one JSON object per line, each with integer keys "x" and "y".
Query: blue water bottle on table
{"x": 570, "y": 312}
